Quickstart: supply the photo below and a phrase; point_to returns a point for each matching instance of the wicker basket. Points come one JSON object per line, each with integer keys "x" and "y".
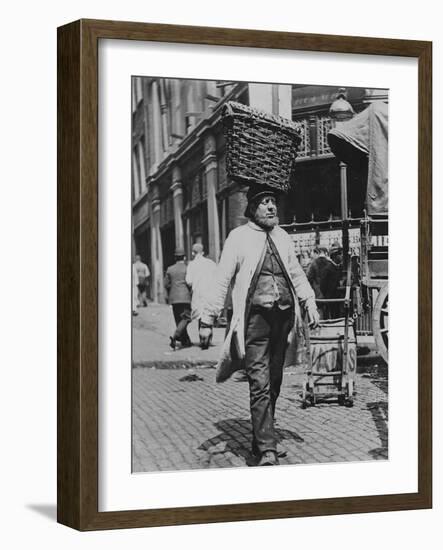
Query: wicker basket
{"x": 260, "y": 147}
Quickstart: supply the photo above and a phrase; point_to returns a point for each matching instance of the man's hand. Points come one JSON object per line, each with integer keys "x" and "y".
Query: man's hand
{"x": 313, "y": 317}
{"x": 205, "y": 337}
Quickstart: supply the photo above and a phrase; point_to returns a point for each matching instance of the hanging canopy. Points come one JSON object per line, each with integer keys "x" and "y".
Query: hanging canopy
{"x": 362, "y": 143}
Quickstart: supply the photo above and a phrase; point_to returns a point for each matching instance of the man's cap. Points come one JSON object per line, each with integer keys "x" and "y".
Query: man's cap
{"x": 335, "y": 247}
{"x": 179, "y": 252}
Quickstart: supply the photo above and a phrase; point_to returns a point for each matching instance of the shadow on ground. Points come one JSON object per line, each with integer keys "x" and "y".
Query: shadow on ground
{"x": 379, "y": 411}
{"x": 236, "y": 434}
{"x": 47, "y": 510}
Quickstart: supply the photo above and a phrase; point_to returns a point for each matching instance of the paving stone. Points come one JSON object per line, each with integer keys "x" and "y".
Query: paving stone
{"x": 209, "y": 425}
{"x": 192, "y": 425}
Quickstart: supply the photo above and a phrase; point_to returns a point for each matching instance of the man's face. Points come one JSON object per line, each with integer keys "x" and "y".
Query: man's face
{"x": 266, "y": 212}
{"x": 137, "y": 258}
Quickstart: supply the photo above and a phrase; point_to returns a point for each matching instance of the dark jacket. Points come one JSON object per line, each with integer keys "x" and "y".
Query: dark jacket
{"x": 323, "y": 276}
{"x": 175, "y": 284}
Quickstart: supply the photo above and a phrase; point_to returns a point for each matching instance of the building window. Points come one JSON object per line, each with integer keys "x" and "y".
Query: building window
{"x": 314, "y": 136}
{"x": 324, "y": 124}
{"x": 305, "y": 145}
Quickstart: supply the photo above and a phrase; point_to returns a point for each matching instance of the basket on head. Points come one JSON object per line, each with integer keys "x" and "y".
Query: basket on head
{"x": 260, "y": 147}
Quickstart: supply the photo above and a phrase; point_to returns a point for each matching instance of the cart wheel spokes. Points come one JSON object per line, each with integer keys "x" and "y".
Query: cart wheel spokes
{"x": 380, "y": 320}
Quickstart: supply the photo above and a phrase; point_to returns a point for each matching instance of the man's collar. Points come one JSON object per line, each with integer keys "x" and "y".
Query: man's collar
{"x": 256, "y": 227}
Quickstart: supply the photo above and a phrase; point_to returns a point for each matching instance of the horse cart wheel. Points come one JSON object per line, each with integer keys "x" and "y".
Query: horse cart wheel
{"x": 380, "y": 322}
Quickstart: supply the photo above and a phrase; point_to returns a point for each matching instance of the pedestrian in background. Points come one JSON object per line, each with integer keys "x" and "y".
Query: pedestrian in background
{"x": 324, "y": 277}
{"x": 268, "y": 289}
{"x": 143, "y": 275}
{"x": 199, "y": 278}
{"x": 305, "y": 260}
{"x": 134, "y": 290}
{"x": 336, "y": 254}
{"x": 179, "y": 297}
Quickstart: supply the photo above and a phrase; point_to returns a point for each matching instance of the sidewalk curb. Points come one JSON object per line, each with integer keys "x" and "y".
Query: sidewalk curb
{"x": 171, "y": 365}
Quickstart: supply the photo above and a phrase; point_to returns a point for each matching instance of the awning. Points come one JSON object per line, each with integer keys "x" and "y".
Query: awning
{"x": 362, "y": 143}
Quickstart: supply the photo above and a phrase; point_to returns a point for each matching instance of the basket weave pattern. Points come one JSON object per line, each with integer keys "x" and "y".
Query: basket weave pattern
{"x": 260, "y": 148}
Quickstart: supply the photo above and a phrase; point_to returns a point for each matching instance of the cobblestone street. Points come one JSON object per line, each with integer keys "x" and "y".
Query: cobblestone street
{"x": 183, "y": 420}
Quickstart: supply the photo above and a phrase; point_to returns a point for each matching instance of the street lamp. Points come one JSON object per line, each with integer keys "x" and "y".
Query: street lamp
{"x": 341, "y": 111}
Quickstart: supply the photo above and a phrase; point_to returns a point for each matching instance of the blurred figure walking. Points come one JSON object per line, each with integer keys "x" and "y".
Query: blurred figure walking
{"x": 200, "y": 276}
{"x": 134, "y": 290}
{"x": 179, "y": 297}
{"x": 143, "y": 275}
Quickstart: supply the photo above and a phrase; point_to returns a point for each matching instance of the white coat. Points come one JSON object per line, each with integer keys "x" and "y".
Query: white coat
{"x": 200, "y": 276}
{"x": 243, "y": 250}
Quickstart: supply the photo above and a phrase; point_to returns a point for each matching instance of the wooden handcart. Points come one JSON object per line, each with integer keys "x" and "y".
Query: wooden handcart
{"x": 331, "y": 357}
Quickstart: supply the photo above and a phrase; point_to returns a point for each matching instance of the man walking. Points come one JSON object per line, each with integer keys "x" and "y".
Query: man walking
{"x": 199, "y": 278}
{"x": 143, "y": 275}
{"x": 179, "y": 297}
{"x": 269, "y": 288}
{"x": 134, "y": 291}
{"x": 324, "y": 275}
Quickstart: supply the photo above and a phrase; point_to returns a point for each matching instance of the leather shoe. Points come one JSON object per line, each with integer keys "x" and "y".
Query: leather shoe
{"x": 172, "y": 342}
{"x": 268, "y": 458}
{"x": 281, "y": 452}
{"x": 240, "y": 376}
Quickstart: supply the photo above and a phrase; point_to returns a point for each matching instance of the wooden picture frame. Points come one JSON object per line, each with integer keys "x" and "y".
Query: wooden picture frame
{"x": 77, "y": 456}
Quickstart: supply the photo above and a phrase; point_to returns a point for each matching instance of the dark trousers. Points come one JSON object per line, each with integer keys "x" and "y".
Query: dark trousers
{"x": 266, "y": 341}
{"x": 182, "y": 316}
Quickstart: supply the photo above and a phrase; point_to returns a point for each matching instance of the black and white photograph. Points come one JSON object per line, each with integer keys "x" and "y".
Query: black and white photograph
{"x": 260, "y": 312}
{"x": 197, "y": 196}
